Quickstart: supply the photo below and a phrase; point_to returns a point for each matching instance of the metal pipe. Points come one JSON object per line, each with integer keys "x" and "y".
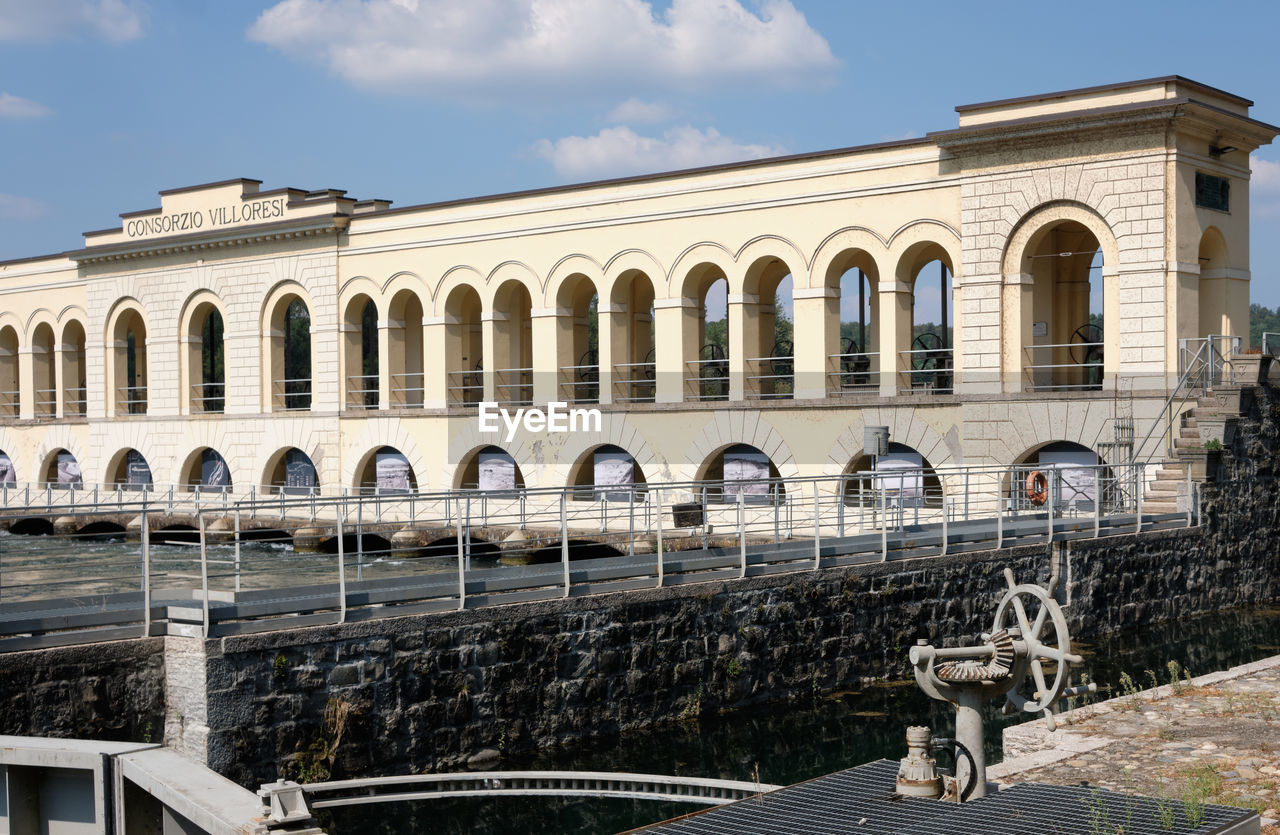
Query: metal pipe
{"x": 342, "y": 564}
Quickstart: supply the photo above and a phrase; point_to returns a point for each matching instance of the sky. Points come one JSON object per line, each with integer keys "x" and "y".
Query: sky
{"x": 103, "y": 103}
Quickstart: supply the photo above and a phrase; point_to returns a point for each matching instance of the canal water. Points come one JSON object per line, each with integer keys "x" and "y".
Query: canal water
{"x": 797, "y": 741}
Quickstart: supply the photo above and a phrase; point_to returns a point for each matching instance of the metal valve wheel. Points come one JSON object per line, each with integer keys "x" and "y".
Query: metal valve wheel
{"x": 1036, "y": 621}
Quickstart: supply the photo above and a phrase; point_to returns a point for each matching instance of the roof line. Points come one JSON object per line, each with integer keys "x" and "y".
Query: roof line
{"x": 1163, "y": 79}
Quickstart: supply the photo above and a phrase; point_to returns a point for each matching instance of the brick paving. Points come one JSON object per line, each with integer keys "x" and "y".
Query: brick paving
{"x": 1215, "y": 737}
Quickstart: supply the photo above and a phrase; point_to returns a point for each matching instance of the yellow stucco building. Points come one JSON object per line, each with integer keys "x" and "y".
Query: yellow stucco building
{"x": 1031, "y": 222}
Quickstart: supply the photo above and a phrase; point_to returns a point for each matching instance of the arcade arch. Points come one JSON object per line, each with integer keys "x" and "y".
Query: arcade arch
{"x": 206, "y": 471}
{"x": 44, "y": 370}
{"x": 767, "y": 333}
{"x": 61, "y": 469}
{"x": 1213, "y": 291}
{"x": 290, "y": 471}
{"x": 129, "y": 469}
{"x": 740, "y": 469}
{"x": 360, "y": 353}
{"x": 705, "y": 333}
{"x": 72, "y": 370}
{"x": 578, "y": 339}
{"x": 127, "y": 362}
{"x": 204, "y": 381}
{"x": 464, "y": 346}
{"x": 287, "y": 347}
{"x": 852, "y": 316}
{"x": 512, "y": 374}
{"x": 606, "y": 471}
{"x": 10, "y": 381}
{"x": 629, "y": 328}
{"x": 405, "y": 342}
{"x": 906, "y": 476}
{"x": 488, "y": 468}
{"x": 385, "y": 469}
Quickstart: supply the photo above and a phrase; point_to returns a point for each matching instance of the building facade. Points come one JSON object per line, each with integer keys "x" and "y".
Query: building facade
{"x": 1076, "y": 244}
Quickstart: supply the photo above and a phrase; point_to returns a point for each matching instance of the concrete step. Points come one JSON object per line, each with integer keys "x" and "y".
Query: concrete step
{"x": 1187, "y": 443}
{"x": 1165, "y": 474}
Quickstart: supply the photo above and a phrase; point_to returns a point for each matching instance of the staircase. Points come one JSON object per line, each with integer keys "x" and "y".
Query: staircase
{"x": 1167, "y": 493}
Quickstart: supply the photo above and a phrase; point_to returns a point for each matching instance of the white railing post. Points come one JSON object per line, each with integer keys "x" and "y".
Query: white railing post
{"x": 341, "y": 509}
{"x": 1189, "y": 503}
{"x": 237, "y": 547}
{"x": 884, "y": 521}
{"x": 204, "y": 574}
{"x": 146, "y": 575}
{"x": 359, "y": 538}
{"x": 943, "y": 552}
{"x": 817, "y": 534}
{"x": 742, "y": 533}
{"x": 657, "y": 493}
{"x": 564, "y": 542}
{"x": 1000, "y": 521}
{"x": 1053, "y": 478}
{"x": 1141, "y": 486}
{"x": 462, "y": 573}
{"x": 1097, "y": 502}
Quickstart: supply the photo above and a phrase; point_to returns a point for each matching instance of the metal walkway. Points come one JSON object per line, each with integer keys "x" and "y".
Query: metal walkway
{"x": 862, "y": 800}
{"x": 197, "y": 612}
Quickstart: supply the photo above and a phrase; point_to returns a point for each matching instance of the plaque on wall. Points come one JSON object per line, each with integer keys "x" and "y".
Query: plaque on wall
{"x": 1077, "y": 482}
{"x": 392, "y": 472}
{"x": 299, "y": 473}
{"x": 617, "y": 470}
{"x": 137, "y": 473}
{"x": 901, "y": 476}
{"x": 68, "y": 469}
{"x": 746, "y": 472}
{"x": 214, "y": 472}
{"x": 497, "y": 471}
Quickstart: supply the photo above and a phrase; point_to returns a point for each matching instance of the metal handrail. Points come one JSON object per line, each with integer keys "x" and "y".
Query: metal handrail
{"x": 207, "y": 403}
{"x": 1193, "y": 378}
{"x": 941, "y": 379}
{"x": 702, "y": 381}
{"x": 625, "y": 377}
{"x": 292, "y": 395}
{"x": 519, "y": 393}
{"x": 755, "y": 389}
{"x": 364, "y": 397}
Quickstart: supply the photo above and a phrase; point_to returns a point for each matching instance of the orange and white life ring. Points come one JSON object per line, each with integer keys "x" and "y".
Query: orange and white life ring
{"x": 1037, "y": 487}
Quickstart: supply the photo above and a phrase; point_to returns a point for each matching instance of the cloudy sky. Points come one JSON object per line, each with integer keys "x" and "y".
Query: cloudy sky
{"x": 105, "y": 102}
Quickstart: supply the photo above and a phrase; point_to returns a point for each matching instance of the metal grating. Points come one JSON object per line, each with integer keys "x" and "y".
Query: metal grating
{"x": 861, "y": 801}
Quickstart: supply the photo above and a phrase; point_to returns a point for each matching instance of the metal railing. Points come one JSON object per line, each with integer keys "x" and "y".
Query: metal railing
{"x": 291, "y": 395}
{"x": 466, "y": 388}
{"x": 770, "y": 378}
{"x": 635, "y": 382}
{"x": 46, "y": 402}
{"x": 75, "y": 401}
{"x": 1053, "y": 367}
{"x": 257, "y": 555}
{"x": 854, "y": 374}
{"x": 1270, "y": 343}
{"x": 10, "y": 403}
{"x": 362, "y": 791}
{"x": 513, "y": 386}
{"x": 580, "y": 383}
{"x": 408, "y": 390}
{"x": 927, "y": 370}
{"x": 131, "y": 400}
{"x": 362, "y": 391}
{"x": 1202, "y": 365}
{"x": 707, "y": 379}
{"x": 209, "y": 398}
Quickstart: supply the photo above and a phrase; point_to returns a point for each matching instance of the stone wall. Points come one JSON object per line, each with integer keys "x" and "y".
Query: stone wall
{"x": 109, "y": 691}
{"x": 438, "y": 692}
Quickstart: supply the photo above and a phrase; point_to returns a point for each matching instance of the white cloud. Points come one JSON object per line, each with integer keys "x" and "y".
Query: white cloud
{"x": 620, "y": 150}
{"x": 1266, "y": 176}
{"x": 505, "y": 48}
{"x": 16, "y": 107}
{"x": 27, "y": 21}
{"x": 14, "y": 207}
{"x": 635, "y": 111}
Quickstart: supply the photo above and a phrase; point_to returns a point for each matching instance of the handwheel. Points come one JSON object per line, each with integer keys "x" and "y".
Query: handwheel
{"x": 1030, "y": 609}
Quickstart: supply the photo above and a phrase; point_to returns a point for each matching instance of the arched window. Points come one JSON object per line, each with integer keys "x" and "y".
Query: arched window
{"x": 10, "y": 390}
{"x": 464, "y": 347}
{"x": 361, "y": 349}
{"x": 129, "y": 364}
{"x": 74, "y": 400}
{"x": 295, "y": 387}
{"x": 44, "y": 366}
{"x": 631, "y": 333}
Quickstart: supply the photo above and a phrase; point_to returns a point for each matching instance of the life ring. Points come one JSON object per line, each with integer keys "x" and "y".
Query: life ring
{"x": 1037, "y": 487}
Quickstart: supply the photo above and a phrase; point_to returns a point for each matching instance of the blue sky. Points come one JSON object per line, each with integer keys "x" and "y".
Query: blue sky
{"x": 105, "y": 102}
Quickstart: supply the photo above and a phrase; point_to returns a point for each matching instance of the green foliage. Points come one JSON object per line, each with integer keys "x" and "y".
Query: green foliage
{"x": 692, "y": 709}
{"x": 1262, "y": 320}
{"x": 733, "y": 668}
{"x": 1213, "y": 444}
{"x": 280, "y": 668}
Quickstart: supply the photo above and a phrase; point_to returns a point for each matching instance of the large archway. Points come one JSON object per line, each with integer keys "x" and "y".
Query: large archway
{"x": 206, "y": 471}
{"x": 578, "y": 340}
{"x": 386, "y": 470}
{"x": 740, "y": 470}
{"x": 852, "y": 349}
{"x": 464, "y": 346}
{"x": 607, "y": 472}
{"x": 489, "y": 468}
{"x": 767, "y": 324}
{"x": 360, "y": 353}
{"x": 513, "y": 344}
{"x": 1078, "y": 476}
{"x": 287, "y": 342}
{"x": 407, "y": 360}
{"x": 127, "y": 364}
{"x": 290, "y": 471}
{"x": 10, "y": 385}
{"x": 631, "y": 324}
{"x": 128, "y": 469}
{"x": 205, "y": 356}
{"x": 72, "y": 370}
{"x": 706, "y": 334}
{"x": 901, "y": 478}
{"x": 44, "y": 371}
{"x": 61, "y": 469}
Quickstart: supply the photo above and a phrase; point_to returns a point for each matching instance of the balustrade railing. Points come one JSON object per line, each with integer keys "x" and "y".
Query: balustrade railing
{"x": 770, "y": 378}
{"x": 362, "y": 391}
{"x": 75, "y": 402}
{"x": 466, "y": 388}
{"x": 1065, "y": 366}
{"x": 635, "y": 382}
{"x": 408, "y": 390}
{"x": 856, "y": 373}
{"x": 513, "y": 386}
{"x": 580, "y": 383}
{"x": 208, "y": 398}
{"x": 928, "y": 371}
{"x": 707, "y": 379}
{"x": 291, "y": 395}
{"x": 131, "y": 400}
{"x": 46, "y": 403}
